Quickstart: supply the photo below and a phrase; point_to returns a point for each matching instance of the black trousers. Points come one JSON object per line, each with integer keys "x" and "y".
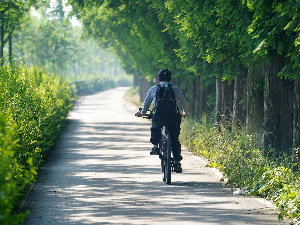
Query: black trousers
{"x": 173, "y": 122}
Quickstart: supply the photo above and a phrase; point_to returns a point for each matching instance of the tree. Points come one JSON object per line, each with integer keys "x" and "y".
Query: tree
{"x": 274, "y": 33}
{"x": 51, "y": 43}
{"x": 12, "y": 15}
{"x": 124, "y": 28}
{"x": 252, "y": 44}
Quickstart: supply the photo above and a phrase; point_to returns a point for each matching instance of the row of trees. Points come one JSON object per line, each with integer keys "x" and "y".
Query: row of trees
{"x": 242, "y": 53}
{"x": 40, "y": 34}
{"x": 12, "y": 15}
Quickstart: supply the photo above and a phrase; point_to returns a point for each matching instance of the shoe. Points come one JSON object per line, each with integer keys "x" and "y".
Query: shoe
{"x": 177, "y": 167}
{"x": 155, "y": 151}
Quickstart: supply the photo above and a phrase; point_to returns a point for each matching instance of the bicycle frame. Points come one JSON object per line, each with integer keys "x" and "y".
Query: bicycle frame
{"x": 165, "y": 146}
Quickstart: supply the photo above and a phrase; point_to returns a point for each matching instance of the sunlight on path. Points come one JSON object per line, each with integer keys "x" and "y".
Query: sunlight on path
{"x": 100, "y": 172}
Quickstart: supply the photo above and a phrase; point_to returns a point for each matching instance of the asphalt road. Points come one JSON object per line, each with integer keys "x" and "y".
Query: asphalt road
{"x": 100, "y": 172}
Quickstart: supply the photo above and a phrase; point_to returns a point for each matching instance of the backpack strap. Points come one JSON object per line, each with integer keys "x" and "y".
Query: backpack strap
{"x": 170, "y": 86}
{"x": 156, "y": 95}
{"x": 173, "y": 94}
{"x": 158, "y": 89}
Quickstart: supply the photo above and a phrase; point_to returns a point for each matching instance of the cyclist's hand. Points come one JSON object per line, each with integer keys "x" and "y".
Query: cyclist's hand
{"x": 184, "y": 115}
{"x": 138, "y": 114}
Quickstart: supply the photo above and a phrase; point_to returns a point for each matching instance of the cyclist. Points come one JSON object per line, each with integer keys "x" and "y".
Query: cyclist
{"x": 173, "y": 121}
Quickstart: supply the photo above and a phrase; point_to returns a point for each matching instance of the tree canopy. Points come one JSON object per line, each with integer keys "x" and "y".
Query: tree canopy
{"x": 12, "y": 14}
{"x": 214, "y": 38}
{"x": 46, "y": 39}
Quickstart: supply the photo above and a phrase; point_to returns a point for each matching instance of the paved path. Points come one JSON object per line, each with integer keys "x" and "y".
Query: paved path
{"x": 100, "y": 172}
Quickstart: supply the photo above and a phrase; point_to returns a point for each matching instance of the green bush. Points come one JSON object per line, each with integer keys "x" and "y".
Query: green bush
{"x": 8, "y": 185}
{"x": 93, "y": 85}
{"x": 35, "y": 106}
{"x": 234, "y": 153}
{"x": 124, "y": 81}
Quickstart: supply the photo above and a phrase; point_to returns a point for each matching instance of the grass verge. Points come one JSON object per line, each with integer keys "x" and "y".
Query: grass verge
{"x": 133, "y": 96}
{"x": 234, "y": 153}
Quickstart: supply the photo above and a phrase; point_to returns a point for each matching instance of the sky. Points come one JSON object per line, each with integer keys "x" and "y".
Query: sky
{"x": 67, "y": 9}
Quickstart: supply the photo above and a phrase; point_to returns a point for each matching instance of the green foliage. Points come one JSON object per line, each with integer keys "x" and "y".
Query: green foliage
{"x": 12, "y": 14}
{"x": 207, "y": 38}
{"x": 52, "y": 44}
{"x": 8, "y": 186}
{"x": 275, "y": 29}
{"x": 124, "y": 80}
{"x": 35, "y": 106}
{"x": 244, "y": 166}
{"x": 91, "y": 86}
{"x": 212, "y": 34}
{"x": 141, "y": 46}
{"x": 281, "y": 185}
{"x": 38, "y": 104}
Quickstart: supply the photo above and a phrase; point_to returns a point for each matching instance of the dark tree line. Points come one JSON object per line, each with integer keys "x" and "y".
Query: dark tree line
{"x": 243, "y": 54}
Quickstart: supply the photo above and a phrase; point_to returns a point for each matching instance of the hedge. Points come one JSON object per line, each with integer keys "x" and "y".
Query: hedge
{"x": 33, "y": 109}
{"x": 94, "y": 85}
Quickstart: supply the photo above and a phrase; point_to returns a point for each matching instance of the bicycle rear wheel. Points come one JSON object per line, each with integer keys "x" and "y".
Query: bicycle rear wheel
{"x": 168, "y": 161}
{"x": 163, "y": 171}
{"x": 162, "y": 157}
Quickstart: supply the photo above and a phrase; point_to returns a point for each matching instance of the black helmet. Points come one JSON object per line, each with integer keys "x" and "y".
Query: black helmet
{"x": 164, "y": 75}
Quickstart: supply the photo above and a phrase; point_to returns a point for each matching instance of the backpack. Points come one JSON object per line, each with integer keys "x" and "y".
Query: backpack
{"x": 165, "y": 104}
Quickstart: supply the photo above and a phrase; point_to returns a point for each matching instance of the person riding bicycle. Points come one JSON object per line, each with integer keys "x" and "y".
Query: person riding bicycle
{"x": 173, "y": 121}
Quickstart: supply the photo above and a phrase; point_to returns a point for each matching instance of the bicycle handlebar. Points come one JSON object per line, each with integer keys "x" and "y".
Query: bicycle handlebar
{"x": 150, "y": 115}
{"x": 147, "y": 116}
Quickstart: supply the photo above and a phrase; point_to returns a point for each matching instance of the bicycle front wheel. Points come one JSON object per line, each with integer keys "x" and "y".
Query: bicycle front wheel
{"x": 168, "y": 162}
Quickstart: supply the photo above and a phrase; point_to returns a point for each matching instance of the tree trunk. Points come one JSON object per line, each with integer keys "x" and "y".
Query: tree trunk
{"x": 203, "y": 104}
{"x": 296, "y": 138}
{"x": 198, "y": 96}
{"x": 228, "y": 99}
{"x": 202, "y": 101}
{"x": 224, "y": 100}
{"x": 178, "y": 82}
{"x": 192, "y": 100}
{"x": 209, "y": 93}
{"x": 10, "y": 47}
{"x": 278, "y": 110}
{"x": 1, "y": 44}
{"x": 239, "y": 101}
{"x": 219, "y": 108}
{"x": 255, "y": 103}
{"x": 144, "y": 87}
{"x": 136, "y": 80}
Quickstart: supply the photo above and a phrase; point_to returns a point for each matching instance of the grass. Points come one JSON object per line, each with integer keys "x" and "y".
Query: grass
{"x": 133, "y": 96}
{"x": 234, "y": 153}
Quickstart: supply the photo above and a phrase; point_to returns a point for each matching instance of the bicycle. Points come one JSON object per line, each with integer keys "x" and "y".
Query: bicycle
{"x": 165, "y": 147}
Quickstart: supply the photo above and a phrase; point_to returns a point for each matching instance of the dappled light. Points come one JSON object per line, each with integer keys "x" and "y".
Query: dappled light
{"x": 100, "y": 172}
{"x": 65, "y": 66}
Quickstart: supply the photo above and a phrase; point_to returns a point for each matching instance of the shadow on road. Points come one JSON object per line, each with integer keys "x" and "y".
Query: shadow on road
{"x": 100, "y": 173}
